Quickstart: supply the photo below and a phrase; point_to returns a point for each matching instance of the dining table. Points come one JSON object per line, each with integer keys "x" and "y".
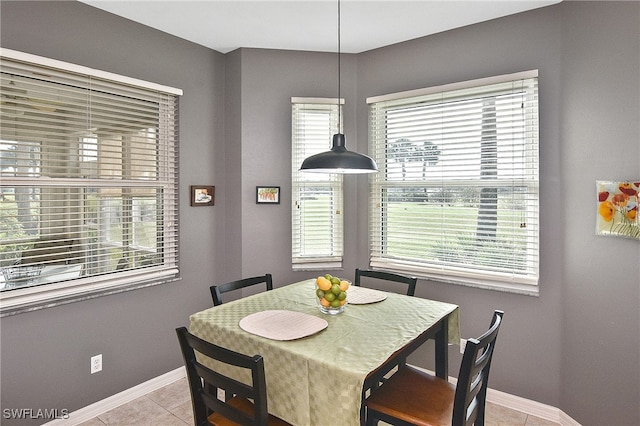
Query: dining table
{"x": 319, "y": 367}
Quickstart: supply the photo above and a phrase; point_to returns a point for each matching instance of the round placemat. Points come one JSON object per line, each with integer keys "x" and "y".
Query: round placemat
{"x": 282, "y": 325}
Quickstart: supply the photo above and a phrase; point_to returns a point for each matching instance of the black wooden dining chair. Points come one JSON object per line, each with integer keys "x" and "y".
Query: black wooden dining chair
{"x": 217, "y": 290}
{"x": 415, "y": 397}
{"x": 243, "y": 404}
{"x": 387, "y": 276}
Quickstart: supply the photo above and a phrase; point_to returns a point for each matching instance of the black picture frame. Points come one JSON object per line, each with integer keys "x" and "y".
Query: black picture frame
{"x": 267, "y": 195}
{"x": 202, "y": 195}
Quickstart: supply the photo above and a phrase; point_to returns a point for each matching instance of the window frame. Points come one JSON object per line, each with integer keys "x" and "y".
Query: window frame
{"x": 330, "y": 254}
{"x": 522, "y": 283}
{"x": 25, "y": 299}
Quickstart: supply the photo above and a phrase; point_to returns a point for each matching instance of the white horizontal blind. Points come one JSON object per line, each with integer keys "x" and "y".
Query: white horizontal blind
{"x": 457, "y": 196}
{"x": 89, "y": 178}
{"x": 317, "y": 230}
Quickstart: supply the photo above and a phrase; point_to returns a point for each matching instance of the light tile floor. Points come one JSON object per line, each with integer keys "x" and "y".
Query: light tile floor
{"x": 171, "y": 405}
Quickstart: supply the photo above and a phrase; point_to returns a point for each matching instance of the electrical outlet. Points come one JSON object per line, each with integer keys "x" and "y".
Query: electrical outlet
{"x": 463, "y": 344}
{"x": 96, "y": 363}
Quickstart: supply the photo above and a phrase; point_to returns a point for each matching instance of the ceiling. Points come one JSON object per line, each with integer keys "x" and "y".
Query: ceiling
{"x": 310, "y": 25}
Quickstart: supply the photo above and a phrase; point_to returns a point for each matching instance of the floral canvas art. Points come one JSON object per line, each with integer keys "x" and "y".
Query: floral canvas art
{"x": 618, "y": 209}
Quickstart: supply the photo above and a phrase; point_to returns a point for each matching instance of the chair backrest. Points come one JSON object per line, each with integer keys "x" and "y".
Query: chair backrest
{"x": 217, "y": 290}
{"x": 388, "y": 276}
{"x": 204, "y": 382}
{"x": 471, "y": 389}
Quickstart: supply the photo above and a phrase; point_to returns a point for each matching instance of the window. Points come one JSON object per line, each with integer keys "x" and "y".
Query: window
{"x": 456, "y": 199}
{"x": 317, "y": 236}
{"x": 89, "y": 182}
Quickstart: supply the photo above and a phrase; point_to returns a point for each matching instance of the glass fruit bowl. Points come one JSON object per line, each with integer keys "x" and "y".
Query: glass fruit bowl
{"x": 331, "y": 294}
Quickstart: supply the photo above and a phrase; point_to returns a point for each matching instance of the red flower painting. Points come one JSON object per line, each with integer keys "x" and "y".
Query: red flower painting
{"x": 618, "y": 209}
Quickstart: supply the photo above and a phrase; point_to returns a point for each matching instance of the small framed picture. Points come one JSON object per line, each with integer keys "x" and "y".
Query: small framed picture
{"x": 267, "y": 195}
{"x": 202, "y": 195}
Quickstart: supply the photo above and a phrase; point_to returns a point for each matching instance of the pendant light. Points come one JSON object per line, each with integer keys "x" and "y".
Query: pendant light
{"x": 338, "y": 159}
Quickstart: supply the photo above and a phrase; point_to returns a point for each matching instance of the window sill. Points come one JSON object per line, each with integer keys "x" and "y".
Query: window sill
{"x": 29, "y": 299}
{"x": 301, "y": 265}
{"x": 526, "y": 289}
{"x": 515, "y": 288}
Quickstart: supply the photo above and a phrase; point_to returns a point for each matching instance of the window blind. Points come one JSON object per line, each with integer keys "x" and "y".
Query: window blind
{"x": 89, "y": 166}
{"x": 457, "y": 196}
{"x": 317, "y": 224}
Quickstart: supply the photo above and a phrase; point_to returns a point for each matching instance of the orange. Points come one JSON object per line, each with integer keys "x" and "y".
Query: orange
{"x": 344, "y": 285}
{"x": 324, "y": 302}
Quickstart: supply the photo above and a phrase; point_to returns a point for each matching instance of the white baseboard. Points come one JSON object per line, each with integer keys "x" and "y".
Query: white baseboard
{"x": 514, "y": 402}
{"x": 114, "y": 401}
{"x": 528, "y": 406}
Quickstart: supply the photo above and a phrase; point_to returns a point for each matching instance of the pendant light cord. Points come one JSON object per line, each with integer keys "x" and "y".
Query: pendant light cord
{"x": 339, "y": 68}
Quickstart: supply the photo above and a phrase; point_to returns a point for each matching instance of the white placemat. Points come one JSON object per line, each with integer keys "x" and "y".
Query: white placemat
{"x": 282, "y": 325}
{"x": 362, "y": 296}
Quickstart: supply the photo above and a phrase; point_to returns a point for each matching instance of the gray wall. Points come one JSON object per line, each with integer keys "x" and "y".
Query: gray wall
{"x": 600, "y": 134}
{"x": 269, "y": 78}
{"x": 576, "y": 346}
{"x": 45, "y": 354}
{"x": 519, "y": 43}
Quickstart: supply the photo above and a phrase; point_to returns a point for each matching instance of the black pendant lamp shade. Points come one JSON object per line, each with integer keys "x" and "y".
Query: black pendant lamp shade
{"x": 339, "y": 160}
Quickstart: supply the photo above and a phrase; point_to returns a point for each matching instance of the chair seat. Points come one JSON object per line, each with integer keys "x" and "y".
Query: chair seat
{"x": 405, "y": 394}
{"x": 245, "y": 405}
{"x": 412, "y": 396}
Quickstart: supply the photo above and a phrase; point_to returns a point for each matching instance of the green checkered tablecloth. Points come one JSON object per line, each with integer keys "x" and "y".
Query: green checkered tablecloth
{"x": 318, "y": 380}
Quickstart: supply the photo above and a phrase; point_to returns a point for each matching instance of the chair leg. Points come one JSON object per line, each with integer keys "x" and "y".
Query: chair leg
{"x": 371, "y": 420}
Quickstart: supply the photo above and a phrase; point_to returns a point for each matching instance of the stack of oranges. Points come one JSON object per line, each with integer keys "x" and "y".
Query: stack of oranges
{"x": 332, "y": 291}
